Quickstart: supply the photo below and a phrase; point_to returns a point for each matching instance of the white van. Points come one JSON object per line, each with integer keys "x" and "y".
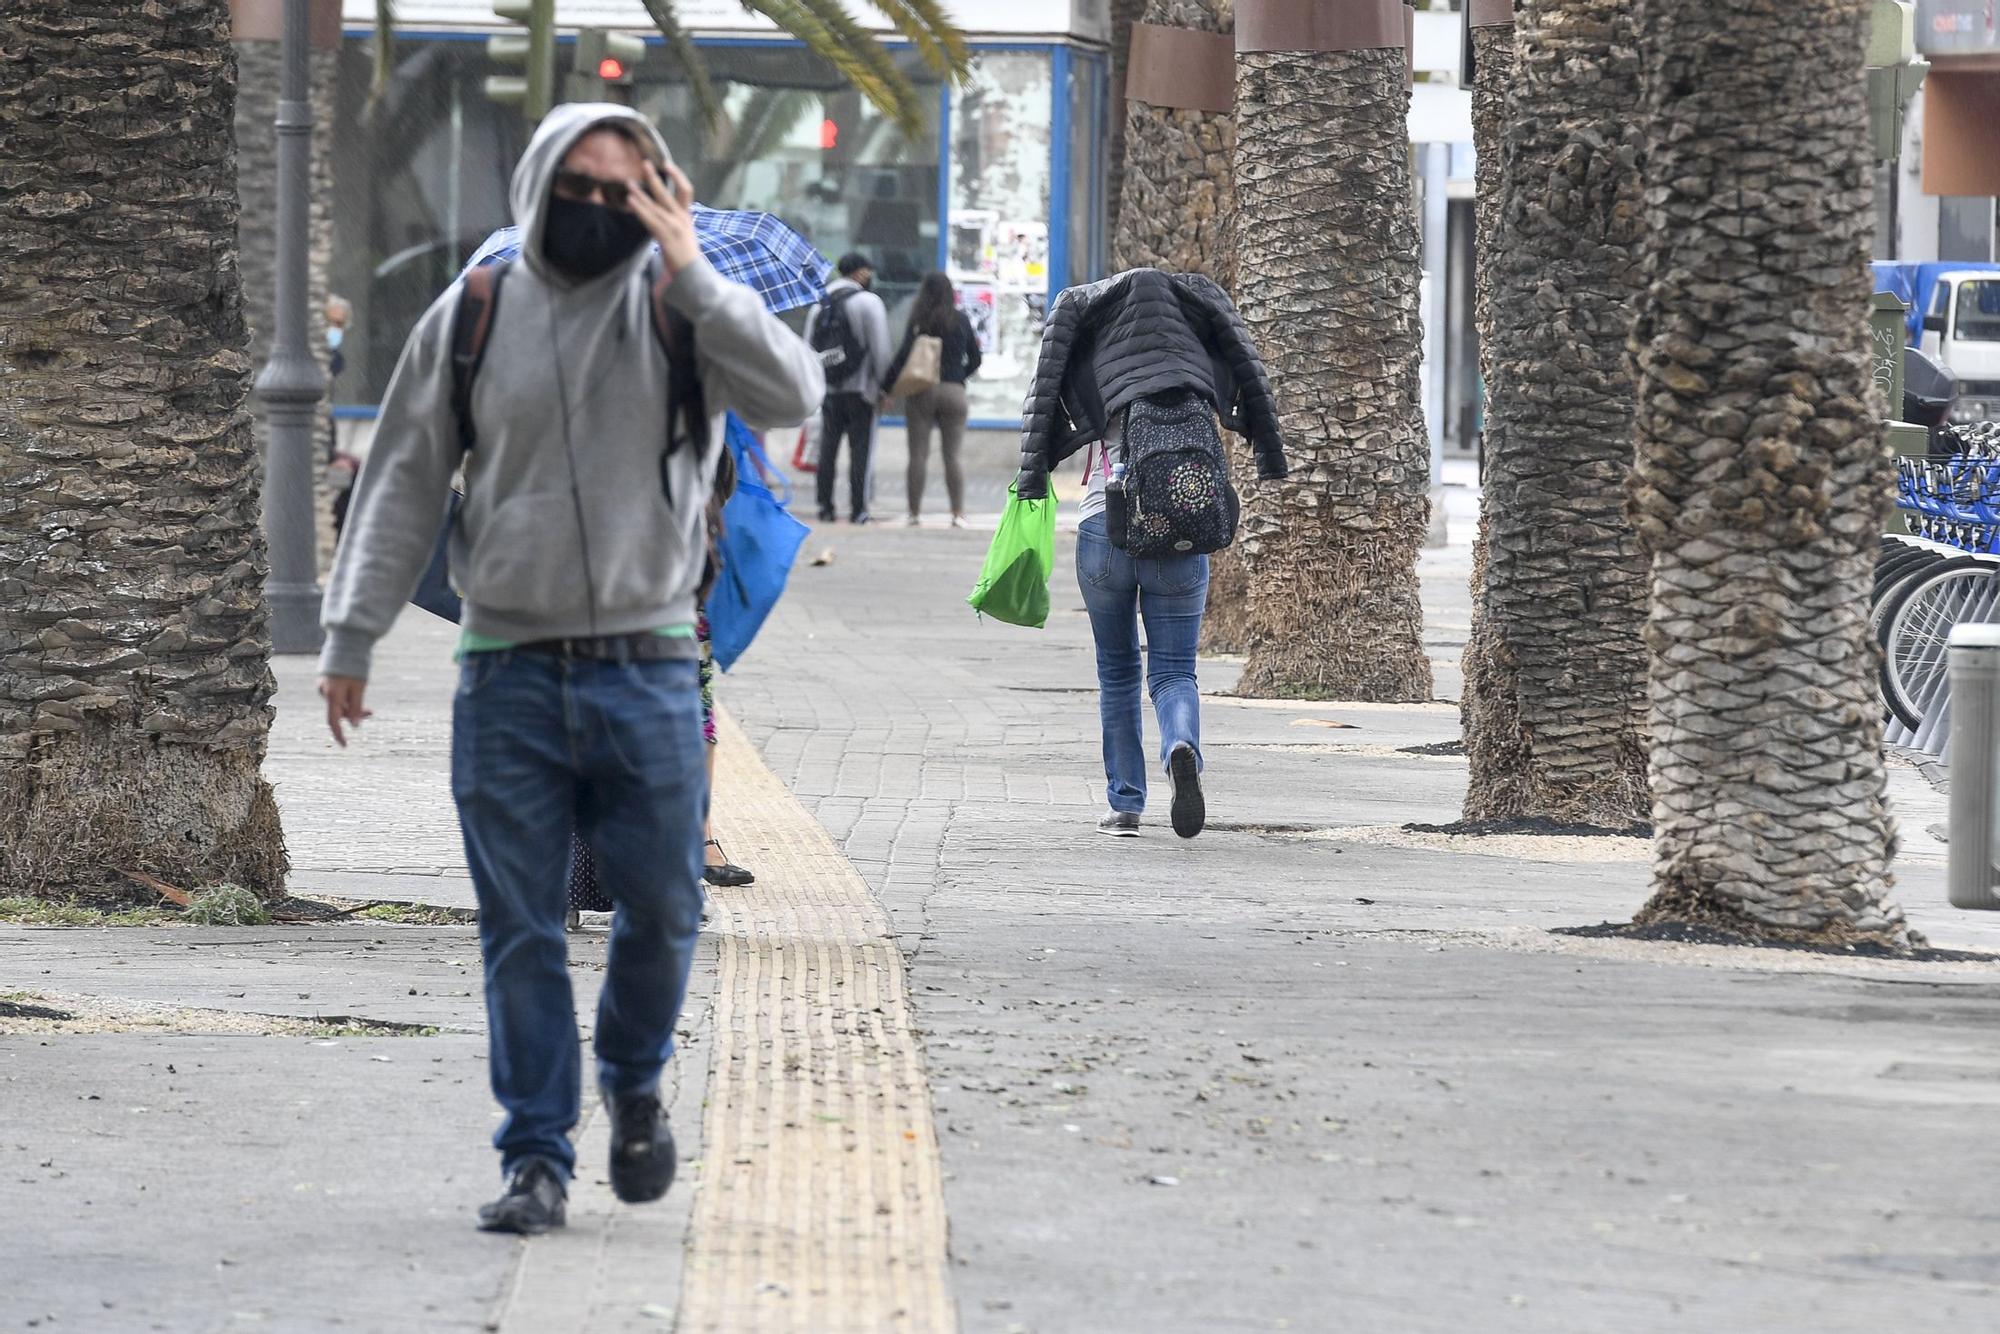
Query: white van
{"x": 1962, "y": 330}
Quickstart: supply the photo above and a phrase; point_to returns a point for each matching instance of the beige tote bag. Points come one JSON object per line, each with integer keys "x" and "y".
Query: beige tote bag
{"x": 920, "y": 370}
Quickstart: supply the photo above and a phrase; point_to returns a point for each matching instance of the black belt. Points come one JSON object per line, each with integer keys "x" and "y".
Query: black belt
{"x": 613, "y": 648}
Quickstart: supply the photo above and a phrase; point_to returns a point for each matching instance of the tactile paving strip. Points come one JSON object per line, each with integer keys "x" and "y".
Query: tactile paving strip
{"x": 821, "y": 1201}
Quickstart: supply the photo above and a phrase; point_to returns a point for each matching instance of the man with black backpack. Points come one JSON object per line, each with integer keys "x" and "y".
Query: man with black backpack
{"x": 584, "y": 398}
{"x": 850, "y": 331}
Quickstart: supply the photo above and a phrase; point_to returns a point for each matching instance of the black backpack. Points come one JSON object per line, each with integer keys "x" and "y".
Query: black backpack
{"x": 1178, "y": 500}
{"x": 471, "y": 322}
{"x": 834, "y": 338}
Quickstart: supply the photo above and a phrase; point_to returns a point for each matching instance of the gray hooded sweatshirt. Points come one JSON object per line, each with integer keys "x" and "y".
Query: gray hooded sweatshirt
{"x": 566, "y": 530}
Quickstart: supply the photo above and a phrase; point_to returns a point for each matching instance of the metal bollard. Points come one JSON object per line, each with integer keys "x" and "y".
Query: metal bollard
{"x": 1975, "y": 731}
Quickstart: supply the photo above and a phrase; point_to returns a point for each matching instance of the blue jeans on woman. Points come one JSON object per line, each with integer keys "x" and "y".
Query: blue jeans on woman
{"x": 541, "y": 745}
{"x": 1170, "y": 595}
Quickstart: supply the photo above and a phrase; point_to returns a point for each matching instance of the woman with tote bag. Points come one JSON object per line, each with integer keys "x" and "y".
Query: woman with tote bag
{"x": 940, "y": 353}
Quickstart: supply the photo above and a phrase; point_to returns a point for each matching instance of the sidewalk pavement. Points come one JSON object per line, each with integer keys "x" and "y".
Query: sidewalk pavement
{"x": 1306, "y": 1072}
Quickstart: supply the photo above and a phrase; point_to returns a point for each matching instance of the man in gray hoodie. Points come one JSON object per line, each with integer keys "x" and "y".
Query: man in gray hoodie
{"x": 577, "y": 551}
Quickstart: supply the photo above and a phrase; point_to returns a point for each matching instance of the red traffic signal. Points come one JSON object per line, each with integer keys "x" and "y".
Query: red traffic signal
{"x": 829, "y": 134}
{"x": 602, "y": 63}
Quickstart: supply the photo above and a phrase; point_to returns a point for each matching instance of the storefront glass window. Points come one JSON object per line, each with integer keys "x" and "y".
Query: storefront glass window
{"x": 420, "y": 179}
{"x": 796, "y": 141}
{"x": 424, "y": 179}
{"x": 1086, "y": 166}
{"x": 999, "y": 243}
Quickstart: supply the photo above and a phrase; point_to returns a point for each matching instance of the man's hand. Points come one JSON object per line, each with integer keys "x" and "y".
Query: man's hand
{"x": 343, "y": 704}
{"x": 666, "y": 206}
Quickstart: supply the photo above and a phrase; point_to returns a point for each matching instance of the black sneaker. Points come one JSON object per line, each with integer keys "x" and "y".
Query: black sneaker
{"x": 1190, "y": 812}
{"x": 534, "y": 1202}
{"x": 642, "y": 1148}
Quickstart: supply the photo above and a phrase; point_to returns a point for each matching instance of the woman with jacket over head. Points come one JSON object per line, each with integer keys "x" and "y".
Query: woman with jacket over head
{"x": 942, "y": 407}
{"x": 1162, "y": 338}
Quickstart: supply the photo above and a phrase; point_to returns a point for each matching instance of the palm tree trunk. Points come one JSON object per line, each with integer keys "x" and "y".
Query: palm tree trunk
{"x": 1763, "y": 477}
{"x": 134, "y": 677}
{"x": 1328, "y": 265}
{"x": 1492, "y": 106}
{"x": 1225, "y": 625}
{"x": 1179, "y": 191}
{"x": 1180, "y": 204}
{"x": 1124, "y": 13}
{"x": 1555, "y": 697}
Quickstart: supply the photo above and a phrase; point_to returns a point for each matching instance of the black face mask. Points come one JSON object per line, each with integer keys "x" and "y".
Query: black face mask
{"x": 587, "y": 240}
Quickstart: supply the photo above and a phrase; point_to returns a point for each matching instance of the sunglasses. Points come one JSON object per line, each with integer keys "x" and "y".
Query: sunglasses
{"x": 580, "y": 186}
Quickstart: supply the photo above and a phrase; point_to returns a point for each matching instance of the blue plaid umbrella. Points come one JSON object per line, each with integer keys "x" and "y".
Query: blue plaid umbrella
{"x": 754, "y": 249}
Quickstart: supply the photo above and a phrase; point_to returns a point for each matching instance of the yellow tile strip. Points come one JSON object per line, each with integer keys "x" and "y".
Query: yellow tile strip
{"x": 821, "y": 1204}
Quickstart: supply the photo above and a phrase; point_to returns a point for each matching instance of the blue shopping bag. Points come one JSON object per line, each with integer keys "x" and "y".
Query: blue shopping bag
{"x": 434, "y": 591}
{"x": 760, "y": 540}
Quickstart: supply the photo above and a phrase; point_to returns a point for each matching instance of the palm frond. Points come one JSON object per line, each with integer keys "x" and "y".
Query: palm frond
{"x": 756, "y": 132}
{"x": 830, "y": 32}
{"x": 902, "y": 105}
{"x": 681, "y": 50}
{"x": 769, "y": 119}
{"x": 385, "y": 49}
{"x": 925, "y": 25}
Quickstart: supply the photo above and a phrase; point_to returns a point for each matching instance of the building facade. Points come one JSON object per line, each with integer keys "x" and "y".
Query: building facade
{"x": 1003, "y": 189}
{"x": 1938, "y": 202}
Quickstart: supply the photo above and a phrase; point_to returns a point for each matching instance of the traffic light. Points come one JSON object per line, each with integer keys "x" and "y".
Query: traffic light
{"x": 1895, "y": 72}
{"x": 535, "y": 53}
{"x": 603, "y": 65}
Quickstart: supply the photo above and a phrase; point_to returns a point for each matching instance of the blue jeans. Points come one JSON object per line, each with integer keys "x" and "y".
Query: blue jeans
{"x": 1171, "y": 595}
{"x": 539, "y": 746}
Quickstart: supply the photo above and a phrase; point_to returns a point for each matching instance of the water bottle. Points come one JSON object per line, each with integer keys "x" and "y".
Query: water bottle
{"x": 1114, "y": 507}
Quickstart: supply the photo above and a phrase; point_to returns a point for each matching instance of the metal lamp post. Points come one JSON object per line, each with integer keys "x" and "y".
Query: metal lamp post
{"x": 291, "y": 384}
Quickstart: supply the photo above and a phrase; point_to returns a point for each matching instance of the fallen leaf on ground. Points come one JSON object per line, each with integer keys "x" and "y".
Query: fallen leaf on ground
{"x": 160, "y": 887}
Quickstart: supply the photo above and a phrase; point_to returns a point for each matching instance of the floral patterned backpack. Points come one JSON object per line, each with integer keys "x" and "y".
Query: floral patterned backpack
{"x": 1178, "y": 500}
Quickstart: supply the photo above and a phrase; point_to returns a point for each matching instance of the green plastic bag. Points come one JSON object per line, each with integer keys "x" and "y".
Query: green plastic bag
{"x": 1014, "y": 585}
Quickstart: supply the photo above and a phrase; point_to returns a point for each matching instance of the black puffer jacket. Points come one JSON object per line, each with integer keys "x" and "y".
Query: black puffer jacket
{"x": 1142, "y": 332}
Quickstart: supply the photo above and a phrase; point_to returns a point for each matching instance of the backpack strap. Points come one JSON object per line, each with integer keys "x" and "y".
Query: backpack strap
{"x": 832, "y": 307}
{"x": 684, "y": 392}
{"x": 478, "y": 299}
